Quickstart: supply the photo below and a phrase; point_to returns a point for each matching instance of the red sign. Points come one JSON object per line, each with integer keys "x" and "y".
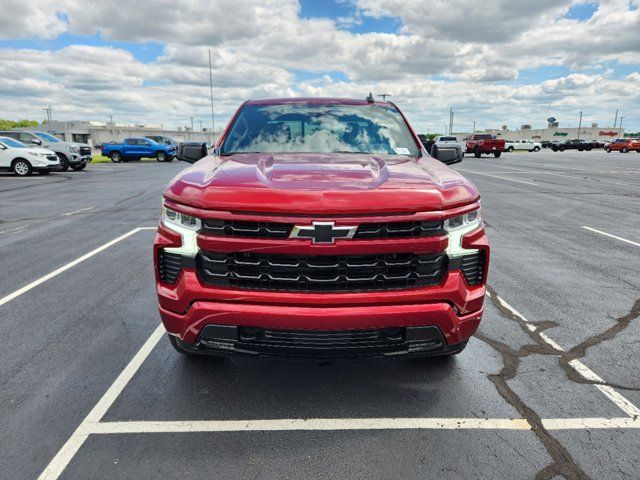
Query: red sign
{"x": 608, "y": 134}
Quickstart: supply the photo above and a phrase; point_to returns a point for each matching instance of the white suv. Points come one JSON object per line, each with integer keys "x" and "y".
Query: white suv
{"x": 22, "y": 160}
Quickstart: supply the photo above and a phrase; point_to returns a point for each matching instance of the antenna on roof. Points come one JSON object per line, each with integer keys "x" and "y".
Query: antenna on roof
{"x": 369, "y": 99}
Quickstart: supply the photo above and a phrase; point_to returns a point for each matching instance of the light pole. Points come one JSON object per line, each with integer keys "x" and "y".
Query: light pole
{"x": 213, "y": 118}
{"x": 49, "y": 117}
{"x": 620, "y": 130}
{"x": 579, "y": 125}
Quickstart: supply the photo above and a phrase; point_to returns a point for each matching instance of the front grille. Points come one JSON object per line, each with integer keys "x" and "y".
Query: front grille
{"x": 53, "y": 158}
{"x": 85, "y": 151}
{"x": 321, "y": 273}
{"x": 247, "y": 229}
{"x": 472, "y": 267}
{"x": 238, "y": 228}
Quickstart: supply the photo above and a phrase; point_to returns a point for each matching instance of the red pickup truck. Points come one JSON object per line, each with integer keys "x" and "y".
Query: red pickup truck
{"x": 480, "y": 143}
{"x": 320, "y": 228}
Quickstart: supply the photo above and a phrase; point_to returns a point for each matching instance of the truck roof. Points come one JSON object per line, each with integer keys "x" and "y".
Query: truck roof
{"x": 315, "y": 101}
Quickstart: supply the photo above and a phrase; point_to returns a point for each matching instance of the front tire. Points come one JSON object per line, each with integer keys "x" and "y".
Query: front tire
{"x": 78, "y": 167}
{"x": 561, "y": 149}
{"x": 161, "y": 157}
{"x": 64, "y": 163}
{"x": 624, "y": 150}
{"x": 116, "y": 157}
{"x": 510, "y": 149}
{"x": 608, "y": 149}
{"x": 497, "y": 154}
{"x": 21, "y": 167}
{"x": 476, "y": 152}
{"x": 536, "y": 149}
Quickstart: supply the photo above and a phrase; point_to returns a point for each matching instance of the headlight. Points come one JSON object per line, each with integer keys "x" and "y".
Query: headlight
{"x": 468, "y": 221}
{"x": 73, "y": 148}
{"x": 178, "y": 219}
{"x": 457, "y": 227}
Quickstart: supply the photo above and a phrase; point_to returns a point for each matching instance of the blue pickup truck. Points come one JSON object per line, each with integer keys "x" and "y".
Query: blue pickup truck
{"x": 137, "y": 148}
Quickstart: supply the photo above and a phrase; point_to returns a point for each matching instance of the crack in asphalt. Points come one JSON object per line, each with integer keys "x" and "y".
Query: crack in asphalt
{"x": 563, "y": 463}
{"x": 579, "y": 351}
{"x": 575, "y": 353}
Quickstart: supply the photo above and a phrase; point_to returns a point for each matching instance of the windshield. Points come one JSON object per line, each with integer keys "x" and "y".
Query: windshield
{"x": 307, "y": 128}
{"x": 10, "y": 142}
{"x": 46, "y": 137}
{"x": 448, "y": 139}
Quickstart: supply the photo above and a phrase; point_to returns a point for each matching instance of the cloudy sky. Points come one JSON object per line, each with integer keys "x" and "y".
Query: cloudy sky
{"x": 495, "y": 62}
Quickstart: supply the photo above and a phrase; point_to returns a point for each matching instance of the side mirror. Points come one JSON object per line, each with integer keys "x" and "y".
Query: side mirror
{"x": 191, "y": 152}
{"x": 36, "y": 141}
{"x": 445, "y": 155}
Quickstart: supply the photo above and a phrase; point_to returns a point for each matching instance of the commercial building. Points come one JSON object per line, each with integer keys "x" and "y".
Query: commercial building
{"x": 554, "y": 133}
{"x": 97, "y": 133}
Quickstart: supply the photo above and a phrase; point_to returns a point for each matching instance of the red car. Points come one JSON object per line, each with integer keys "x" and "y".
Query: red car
{"x": 485, "y": 143}
{"x": 623, "y": 145}
{"x": 320, "y": 228}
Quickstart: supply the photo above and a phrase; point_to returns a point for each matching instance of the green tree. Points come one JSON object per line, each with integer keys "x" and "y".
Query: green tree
{"x": 11, "y": 124}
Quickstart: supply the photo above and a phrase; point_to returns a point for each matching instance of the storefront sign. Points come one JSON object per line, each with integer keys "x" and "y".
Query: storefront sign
{"x": 608, "y": 134}
{"x": 560, "y": 134}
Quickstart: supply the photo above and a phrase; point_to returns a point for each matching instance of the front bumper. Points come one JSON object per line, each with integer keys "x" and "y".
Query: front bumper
{"x": 189, "y": 307}
{"x": 77, "y": 159}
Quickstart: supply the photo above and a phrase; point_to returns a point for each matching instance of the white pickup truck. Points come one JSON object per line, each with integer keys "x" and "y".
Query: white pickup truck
{"x": 528, "y": 145}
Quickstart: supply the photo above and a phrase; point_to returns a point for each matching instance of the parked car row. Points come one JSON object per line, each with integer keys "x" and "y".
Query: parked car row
{"x": 71, "y": 154}
{"x": 23, "y": 160}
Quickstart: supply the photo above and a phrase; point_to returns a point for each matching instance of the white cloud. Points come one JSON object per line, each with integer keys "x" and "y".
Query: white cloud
{"x": 457, "y": 52}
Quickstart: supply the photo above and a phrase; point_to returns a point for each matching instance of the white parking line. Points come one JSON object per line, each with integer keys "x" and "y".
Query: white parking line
{"x": 612, "y": 236}
{"x": 580, "y": 368}
{"x": 67, "y": 214}
{"x": 64, "y": 268}
{"x": 498, "y": 176}
{"x": 71, "y": 447}
{"x": 335, "y": 424}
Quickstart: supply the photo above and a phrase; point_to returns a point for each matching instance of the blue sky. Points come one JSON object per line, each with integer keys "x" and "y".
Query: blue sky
{"x": 144, "y": 65}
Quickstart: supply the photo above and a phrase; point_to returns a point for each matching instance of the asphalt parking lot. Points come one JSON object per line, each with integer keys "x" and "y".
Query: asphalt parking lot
{"x": 549, "y": 388}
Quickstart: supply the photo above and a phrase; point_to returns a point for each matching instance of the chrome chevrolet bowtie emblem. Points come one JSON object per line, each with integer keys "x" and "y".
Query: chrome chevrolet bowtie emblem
{"x": 322, "y": 232}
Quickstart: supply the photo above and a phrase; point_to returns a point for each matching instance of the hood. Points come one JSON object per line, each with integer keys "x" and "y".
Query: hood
{"x": 321, "y": 183}
{"x": 40, "y": 150}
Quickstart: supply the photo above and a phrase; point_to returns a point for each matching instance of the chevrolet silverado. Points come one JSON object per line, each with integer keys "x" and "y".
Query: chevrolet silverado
{"x": 320, "y": 228}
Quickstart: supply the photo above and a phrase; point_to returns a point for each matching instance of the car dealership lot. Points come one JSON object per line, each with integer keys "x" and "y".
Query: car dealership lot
{"x": 92, "y": 389}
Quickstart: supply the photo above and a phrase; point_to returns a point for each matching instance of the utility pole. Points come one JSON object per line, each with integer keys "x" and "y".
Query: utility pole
{"x": 49, "y": 117}
{"x": 384, "y": 96}
{"x": 200, "y": 122}
{"x": 111, "y": 123}
{"x": 620, "y": 130}
{"x": 450, "y": 120}
{"x": 191, "y": 123}
{"x": 615, "y": 121}
{"x": 474, "y": 126}
{"x": 213, "y": 118}
{"x": 579, "y": 125}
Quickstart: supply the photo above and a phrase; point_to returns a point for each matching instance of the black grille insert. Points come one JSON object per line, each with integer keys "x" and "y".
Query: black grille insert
{"x": 472, "y": 267}
{"x": 170, "y": 265}
{"x": 238, "y": 228}
{"x": 321, "y": 273}
{"x": 399, "y": 230}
